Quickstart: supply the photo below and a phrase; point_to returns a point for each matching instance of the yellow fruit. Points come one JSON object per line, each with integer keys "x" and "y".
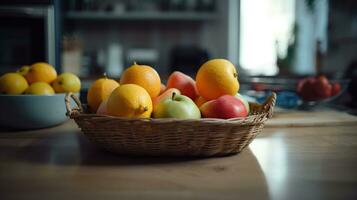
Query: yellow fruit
{"x": 41, "y": 72}
{"x": 99, "y": 91}
{"x": 131, "y": 101}
{"x": 23, "y": 70}
{"x": 144, "y": 76}
{"x": 40, "y": 88}
{"x": 67, "y": 82}
{"x": 199, "y": 101}
{"x": 13, "y": 83}
{"x": 215, "y": 78}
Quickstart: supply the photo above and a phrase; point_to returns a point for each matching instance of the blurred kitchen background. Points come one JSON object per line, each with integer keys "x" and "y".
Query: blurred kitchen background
{"x": 273, "y": 43}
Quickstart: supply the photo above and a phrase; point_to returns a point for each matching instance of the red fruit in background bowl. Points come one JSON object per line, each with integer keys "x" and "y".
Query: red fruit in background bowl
{"x": 307, "y": 91}
{"x": 300, "y": 84}
{"x": 322, "y": 87}
{"x": 224, "y": 107}
{"x": 335, "y": 89}
{"x": 319, "y": 88}
{"x": 184, "y": 83}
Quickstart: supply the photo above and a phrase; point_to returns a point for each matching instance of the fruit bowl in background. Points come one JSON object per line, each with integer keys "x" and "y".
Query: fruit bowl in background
{"x": 287, "y": 95}
{"x": 310, "y": 104}
{"x": 32, "y": 111}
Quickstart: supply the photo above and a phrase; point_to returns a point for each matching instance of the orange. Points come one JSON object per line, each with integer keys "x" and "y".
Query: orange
{"x": 99, "y": 91}
{"x": 41, "y": 72}
{"x": 215, "y": 78}
{"x": 131, "y": 101}
{"x": 144, "y": 76}
{"x": 199, "y": 101}
{"x": 13, "y": 83}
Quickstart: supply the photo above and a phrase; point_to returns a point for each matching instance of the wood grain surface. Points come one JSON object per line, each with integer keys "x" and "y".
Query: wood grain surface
{"x": 311, "y": 118}
{"x": 281, "y": 163}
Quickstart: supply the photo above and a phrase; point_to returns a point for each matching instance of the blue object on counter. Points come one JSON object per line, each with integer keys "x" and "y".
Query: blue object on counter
{"x": 284, "y": 99}
{"x": 32, "y": 111}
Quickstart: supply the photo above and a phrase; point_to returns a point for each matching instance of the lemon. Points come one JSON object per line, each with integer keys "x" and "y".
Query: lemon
{"x": 41, "y": 72}
{"x": 67, "y": 82}
{"x": 40, "y": 88}
{"x": 23, "y": 70}
{"x": 130, "y": 100}
{"x": 13, "y": 83}
{"x": 99, "y": 91}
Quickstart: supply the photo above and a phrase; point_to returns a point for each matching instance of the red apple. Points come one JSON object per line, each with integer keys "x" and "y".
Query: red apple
{"x": 184, "y": 83}
{"x": 300, "y": 84}
{"x": 245, "y": 102}
{"x": 322, "y": 88}
{"x": 162, "y": 88}
{"x": 224, "y": 107}
{"x": 102, "y": 109}
{"x": 307, "y": 91}
{"x": 335, "y": 89}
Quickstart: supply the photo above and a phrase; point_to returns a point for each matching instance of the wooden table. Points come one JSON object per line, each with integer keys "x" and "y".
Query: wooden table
{"x": 282, "y": 163}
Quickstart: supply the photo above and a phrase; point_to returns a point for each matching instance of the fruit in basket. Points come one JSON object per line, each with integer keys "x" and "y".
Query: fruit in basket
{"x": 162, "y": 88}
{"x": 102, "y": 109}
{"x": 99, "y": 91}
{"x": 130, "y": 100}
{"x": 40, "y": 88}
{"x": 245, "y": 102}
{"x": 184, "y": 83}
{"x": 216, "y": 78}
{"x": 67, "y": 82}
{"x": 317, "y": 88}
{"x": 199, "y": 101}
{"x": 23, "y": 70}
{"x": 224, "y": 107}
{"x": 13, "y": 83}
{"x": 167, "y": 94}
{"x": 41, "y": 72}
{"x": 144, "y": 76}
{"x": 178, "y": 106}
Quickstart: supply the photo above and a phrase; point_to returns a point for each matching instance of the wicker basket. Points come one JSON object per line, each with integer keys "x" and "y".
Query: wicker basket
{"x": 172, "y": 137}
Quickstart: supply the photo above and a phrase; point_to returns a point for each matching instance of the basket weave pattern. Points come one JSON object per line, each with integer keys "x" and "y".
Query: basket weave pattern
{"x": 172, "y": 137}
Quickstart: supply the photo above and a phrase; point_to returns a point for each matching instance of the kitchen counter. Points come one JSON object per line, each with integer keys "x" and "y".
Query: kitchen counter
{"x": 284, "y": 162}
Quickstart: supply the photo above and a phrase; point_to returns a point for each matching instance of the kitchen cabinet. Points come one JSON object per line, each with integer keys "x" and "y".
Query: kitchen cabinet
{"x": 151, "y": 31}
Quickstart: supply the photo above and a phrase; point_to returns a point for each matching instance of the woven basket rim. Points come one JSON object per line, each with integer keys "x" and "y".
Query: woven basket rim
{"x": 265, "y": 113}
{"x": 171, "y": 136}
{"x": 168, "y": 120}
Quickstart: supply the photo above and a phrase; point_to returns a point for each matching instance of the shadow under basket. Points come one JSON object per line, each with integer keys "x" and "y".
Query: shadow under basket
{"x": 169, "y": 136}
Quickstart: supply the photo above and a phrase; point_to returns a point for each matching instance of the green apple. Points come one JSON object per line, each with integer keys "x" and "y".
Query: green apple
{"x": 245, "y": 102}
{"x": 178, "y": 106}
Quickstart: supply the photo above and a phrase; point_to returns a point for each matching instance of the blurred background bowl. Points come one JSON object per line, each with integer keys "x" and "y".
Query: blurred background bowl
{"x": 309, "y": 105}
{"x": 32, "y": 111}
